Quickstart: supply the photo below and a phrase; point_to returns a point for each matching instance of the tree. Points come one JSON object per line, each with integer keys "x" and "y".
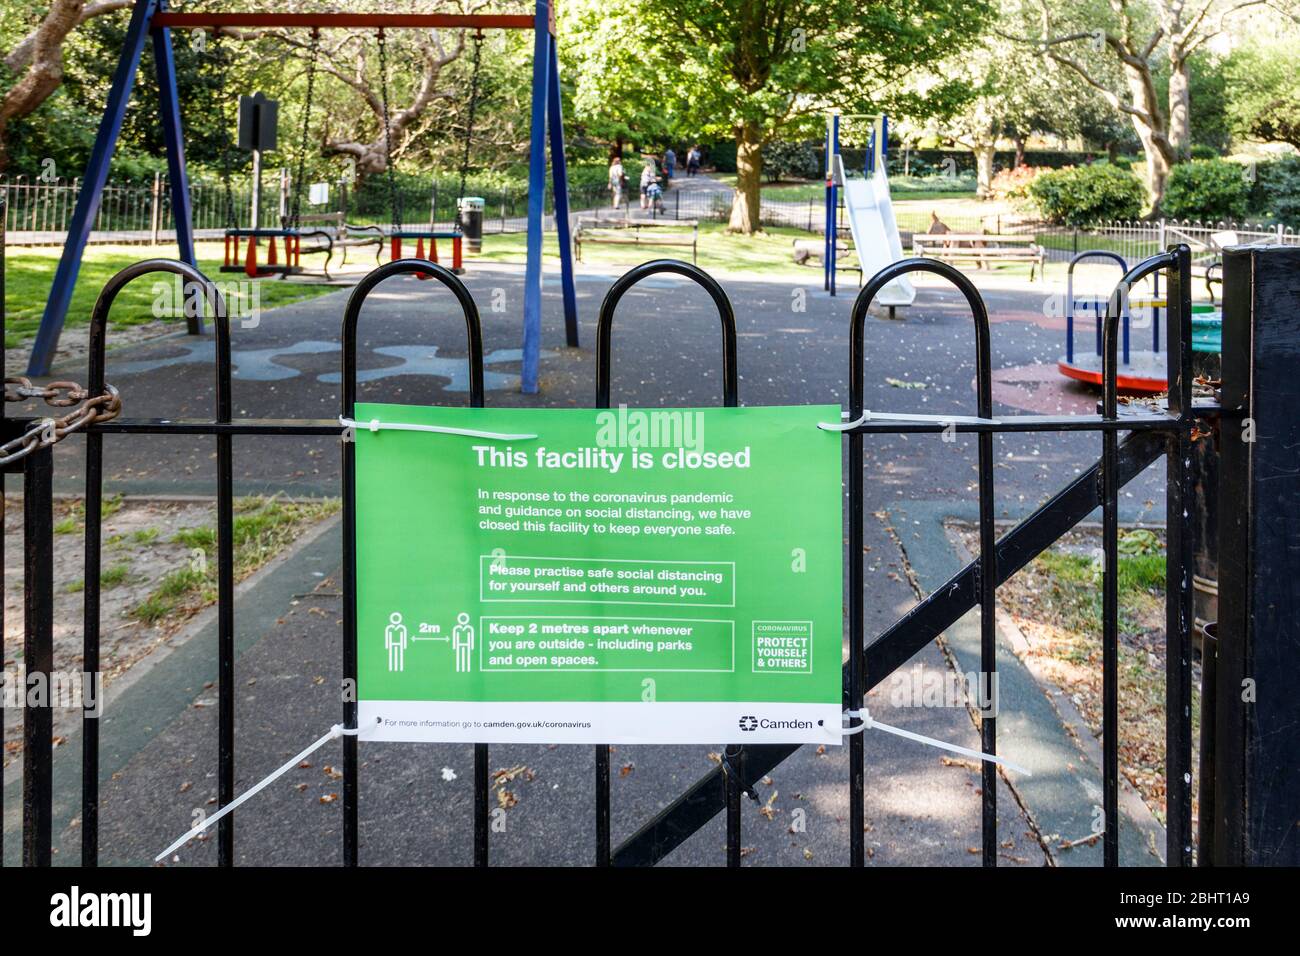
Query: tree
{"x": 1140, "y": 37}
{"x": 615, "y": 99}
{"x": 36, "y": 60}
{"x": 1010, "y": 96}
{"x": 1263, "y": 92}
{"x": 348, "y": 61}
{"x": 758, "y": 70}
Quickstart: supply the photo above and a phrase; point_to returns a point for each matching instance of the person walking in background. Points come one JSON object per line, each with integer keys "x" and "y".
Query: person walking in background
{"x": 670, "y": 163}
{"x": 649, "y": 174}
{"x": 617, "y": 180}
{"x": 693, "y": 160}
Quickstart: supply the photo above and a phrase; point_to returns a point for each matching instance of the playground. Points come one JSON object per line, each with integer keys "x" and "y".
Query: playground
{"x": 941, "y": 588}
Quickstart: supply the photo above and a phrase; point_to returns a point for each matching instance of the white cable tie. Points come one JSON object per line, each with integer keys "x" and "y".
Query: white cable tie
{"x": 375, "y": 425}
{"x": 868, "y": 722}
{"x": 338, "y": 730}
{"x": 868, "y": 415}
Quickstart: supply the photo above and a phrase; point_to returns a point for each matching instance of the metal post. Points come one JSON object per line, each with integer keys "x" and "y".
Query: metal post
{"x": 154, "y": 212}
{"x": 1256, "y": 800}
{"x": 1205, "y": 789}
{"x": 38, "y": 656}
{"x": 1179, "y": 564}
{"x": 255, "y": 214}
{"x": 560, "y": 187}
{"x": 532, "y": 344}
{"x": 174, "y": 140}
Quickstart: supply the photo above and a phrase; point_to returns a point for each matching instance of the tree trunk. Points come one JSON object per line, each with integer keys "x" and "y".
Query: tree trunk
{"x": 1157, "y": 167}
{"x": 984, "y": 153}
{"x": 745, "y": 205}
{"x": 1180, "y": 107}
{"x": 1020, "y": 152}
{"x": 41, "y": 58}
{"x": 1152, "y": 130}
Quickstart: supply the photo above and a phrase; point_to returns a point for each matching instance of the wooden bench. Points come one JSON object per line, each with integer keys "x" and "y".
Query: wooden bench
{"x": 636, "y": 232}
{"x": 325, "y": 232}
{"x": 337, "y": 233}
{"x": 980, "y": 248}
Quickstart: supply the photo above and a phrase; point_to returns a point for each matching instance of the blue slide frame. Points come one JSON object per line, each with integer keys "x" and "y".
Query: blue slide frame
{"x": 546, "y": 106}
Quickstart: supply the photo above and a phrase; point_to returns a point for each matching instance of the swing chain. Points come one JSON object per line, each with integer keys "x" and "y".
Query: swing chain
{"x": 393, "y": 200}
{"x": 218, "y": 56}
{"x": 313, "y": 53}
{"x": 469, "y": 122}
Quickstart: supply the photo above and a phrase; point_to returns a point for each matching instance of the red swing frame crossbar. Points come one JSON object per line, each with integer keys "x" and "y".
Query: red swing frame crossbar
{"x": 348, "y": 21}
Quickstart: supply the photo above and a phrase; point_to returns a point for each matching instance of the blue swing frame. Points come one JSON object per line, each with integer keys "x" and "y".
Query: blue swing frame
{"x": 547, "y": 124}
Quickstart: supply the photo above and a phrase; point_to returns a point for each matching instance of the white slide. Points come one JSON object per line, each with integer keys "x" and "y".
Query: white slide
{"x": 875, "y": 231}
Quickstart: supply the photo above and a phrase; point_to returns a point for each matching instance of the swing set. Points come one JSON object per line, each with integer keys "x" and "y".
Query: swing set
{"x": 152, "y": 20}
{"x": 241, "y": 244}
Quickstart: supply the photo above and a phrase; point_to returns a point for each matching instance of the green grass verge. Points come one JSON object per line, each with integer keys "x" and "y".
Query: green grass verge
{"x": 1076, "y": 583}
{"x": 29, "y": 274}
{"x": 262, "y": 528}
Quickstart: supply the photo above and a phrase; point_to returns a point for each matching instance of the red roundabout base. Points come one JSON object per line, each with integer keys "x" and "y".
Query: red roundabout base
{"x": 1146, "y": 372}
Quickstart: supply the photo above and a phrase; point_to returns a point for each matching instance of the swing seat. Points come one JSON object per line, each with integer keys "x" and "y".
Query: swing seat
{"x": 245, "y": 259}
{"x": 396, "y": 238}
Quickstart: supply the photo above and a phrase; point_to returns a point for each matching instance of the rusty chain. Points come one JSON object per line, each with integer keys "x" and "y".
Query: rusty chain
{"x": 44, "y": 432}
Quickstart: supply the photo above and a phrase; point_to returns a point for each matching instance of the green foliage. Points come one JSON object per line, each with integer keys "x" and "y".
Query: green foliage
{"x": 1208, "y": 189}
{"x": 204, "y": 538}
{"x": 1201, "y": 151}
{"x": 1276, "y": 193}
{"x": 1139, "y": 541}
{"x": 1263, "y": 91}
{"x": 708, "y": 69}
{"x": 115, "y": 575}
{"x": 786, "y": 160}
{"x": 1087, "y": 194}
{"x": 721, "y": 156}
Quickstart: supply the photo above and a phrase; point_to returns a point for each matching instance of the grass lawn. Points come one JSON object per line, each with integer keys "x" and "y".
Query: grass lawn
{"x": 768, "y": 254}
{"x": 29, "y": 272}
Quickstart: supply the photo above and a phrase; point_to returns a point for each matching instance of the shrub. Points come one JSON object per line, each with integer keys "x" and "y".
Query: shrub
{"x": 1208, "y": 189}
{"x": 793, "y": 160}
{"x": 1014, "y": 183}
{"x": 1087, "y": 194}
{"x": 1201, "y": 151}
{"x": 1276, "y": 194}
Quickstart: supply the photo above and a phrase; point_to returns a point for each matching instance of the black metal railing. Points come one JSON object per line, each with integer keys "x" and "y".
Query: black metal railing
{"x": 1150, "y": 433}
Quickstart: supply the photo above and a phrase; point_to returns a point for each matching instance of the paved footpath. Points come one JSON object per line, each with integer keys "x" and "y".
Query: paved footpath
{"x": 160, "y": 735}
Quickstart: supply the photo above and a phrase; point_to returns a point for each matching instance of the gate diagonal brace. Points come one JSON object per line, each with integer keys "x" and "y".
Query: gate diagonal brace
{"x": 923, "y": 623}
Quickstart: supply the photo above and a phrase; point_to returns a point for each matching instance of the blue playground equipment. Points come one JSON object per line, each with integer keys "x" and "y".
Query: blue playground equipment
{"x": 1139, "y": 370}
{"x": 151, "y": 20}
{"x": 865, "y": 205}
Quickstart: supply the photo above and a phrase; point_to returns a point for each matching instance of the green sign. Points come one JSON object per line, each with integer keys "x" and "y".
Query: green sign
{"x": 599, "y": 576}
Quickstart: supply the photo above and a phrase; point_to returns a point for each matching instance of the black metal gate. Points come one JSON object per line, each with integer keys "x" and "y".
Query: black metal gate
{"x": 1131, "y": 439}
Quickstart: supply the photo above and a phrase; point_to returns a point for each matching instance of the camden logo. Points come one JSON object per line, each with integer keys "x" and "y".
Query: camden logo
{"x": 748, "y": 723}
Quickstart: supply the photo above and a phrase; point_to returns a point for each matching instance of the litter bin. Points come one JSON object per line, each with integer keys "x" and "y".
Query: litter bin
{"x": 471, "y": 223}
